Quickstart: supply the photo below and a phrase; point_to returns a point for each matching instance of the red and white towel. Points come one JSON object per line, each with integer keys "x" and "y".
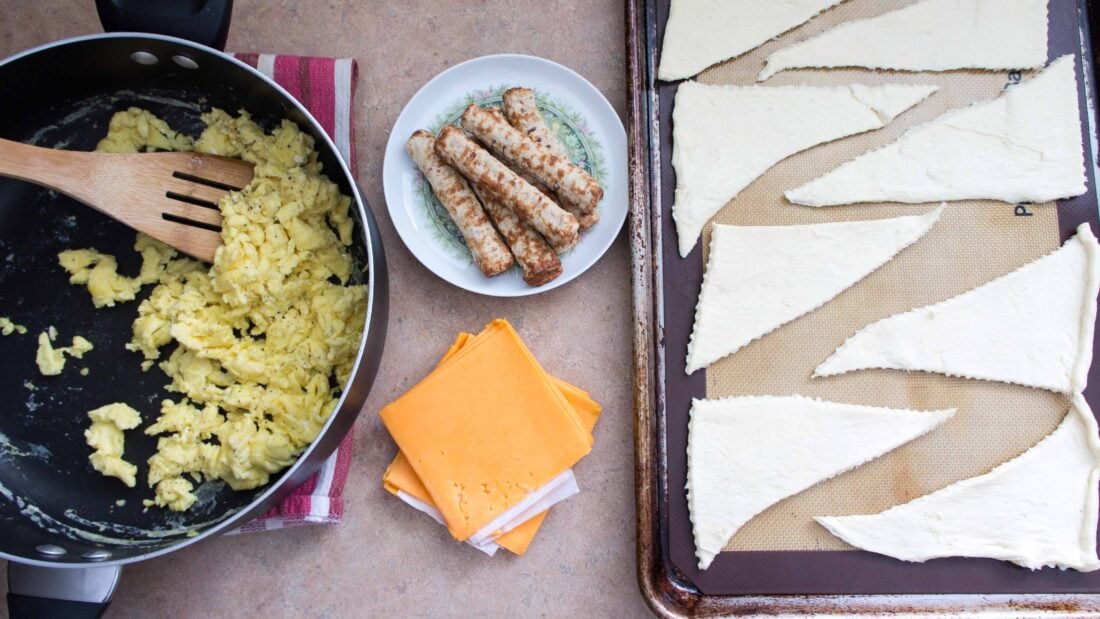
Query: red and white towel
{"x": 326, "y": 86}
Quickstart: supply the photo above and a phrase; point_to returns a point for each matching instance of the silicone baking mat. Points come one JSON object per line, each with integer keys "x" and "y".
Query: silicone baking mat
{"x": 783, "y": 550}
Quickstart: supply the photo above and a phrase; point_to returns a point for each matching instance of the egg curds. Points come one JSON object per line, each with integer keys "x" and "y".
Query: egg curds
{"x": 266, "y": 336}
{"x": 105, "y": 437}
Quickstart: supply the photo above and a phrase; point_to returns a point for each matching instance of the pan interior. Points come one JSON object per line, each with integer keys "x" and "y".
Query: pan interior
{"x": 47, "y": 485}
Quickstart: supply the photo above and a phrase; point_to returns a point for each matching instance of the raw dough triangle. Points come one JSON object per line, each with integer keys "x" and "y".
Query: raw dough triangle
{"x": 700, "y": 33}
{"x": 745, "y": 454}
{"x": 1033, "y": 327}
{"x": 725, "y": 137}
{"x": 1037, "y": 510}
{"x": 934, "y": 35}
{"x": 759, "y": 278}
{"x": 1024, "y": 146}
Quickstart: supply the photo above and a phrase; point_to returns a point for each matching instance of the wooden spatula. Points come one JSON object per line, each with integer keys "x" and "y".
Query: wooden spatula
{"x": 172, "y": 197}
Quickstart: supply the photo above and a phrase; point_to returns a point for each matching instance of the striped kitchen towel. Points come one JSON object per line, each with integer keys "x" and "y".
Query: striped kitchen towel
{"x": 326, "y": 86}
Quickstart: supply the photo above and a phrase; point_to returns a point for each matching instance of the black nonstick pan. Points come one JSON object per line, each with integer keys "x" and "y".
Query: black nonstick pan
{"x": 65, "y": 528}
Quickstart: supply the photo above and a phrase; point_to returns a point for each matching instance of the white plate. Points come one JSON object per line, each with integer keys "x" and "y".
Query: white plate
{"x": 584, "y": 121}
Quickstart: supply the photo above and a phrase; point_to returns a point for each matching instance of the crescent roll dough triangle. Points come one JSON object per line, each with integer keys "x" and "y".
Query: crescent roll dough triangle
{"x": 759, "y": 278}
{"x": 1037, "y": 510}
{"x": 747, "y": 453}
{"x": 1033, "y": 327}
{"x": 725, "y": 137}
{"x": 934, "y": 35}
{"x": 700, "y": 33}
{"x": 1024, "y": 146}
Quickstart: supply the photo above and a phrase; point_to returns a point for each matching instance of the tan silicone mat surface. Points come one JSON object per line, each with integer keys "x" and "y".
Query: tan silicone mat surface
{"x": 973, "y": 243}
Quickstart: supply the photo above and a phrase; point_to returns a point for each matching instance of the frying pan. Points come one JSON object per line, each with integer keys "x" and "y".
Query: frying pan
{"x": 64, "y": 528}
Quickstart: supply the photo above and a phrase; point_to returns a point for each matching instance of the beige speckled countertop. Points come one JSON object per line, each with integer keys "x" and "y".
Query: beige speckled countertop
{"x": 384, "y": 559}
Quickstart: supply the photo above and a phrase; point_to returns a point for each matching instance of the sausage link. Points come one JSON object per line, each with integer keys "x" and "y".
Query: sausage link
{"x": 570, "y": 181}
{"x": 537, "y": 259}
{"x": 584, "y": 220}
{"x": 490, "y": 253}
{"x": 522, "y": 112}
{"x": 476, "y": 164}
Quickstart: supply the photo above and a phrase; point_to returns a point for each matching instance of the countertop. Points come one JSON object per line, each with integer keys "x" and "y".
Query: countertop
{"x": 384, "y": 559}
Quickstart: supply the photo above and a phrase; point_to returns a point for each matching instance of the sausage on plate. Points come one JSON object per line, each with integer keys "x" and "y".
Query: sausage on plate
{"x": 568, "y": 180}
{"x": 479, "y": 166}
{"x": 537, "y": 259}
{"x": 490, "y": 253}
{"x": 549, "y": 193}
{"x": 522, "y": 112}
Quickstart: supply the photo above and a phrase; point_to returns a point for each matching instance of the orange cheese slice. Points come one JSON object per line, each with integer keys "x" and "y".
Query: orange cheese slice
{"x": 486, "y": 428}
{"x": 400, "y": 477}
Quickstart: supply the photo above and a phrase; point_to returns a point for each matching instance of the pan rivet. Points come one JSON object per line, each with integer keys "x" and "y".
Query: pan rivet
{"x": 144, "y": 58}
{"x": 50, "y": 550}
{"x": 185, "y": 61}
{"x": 96, "y": 555}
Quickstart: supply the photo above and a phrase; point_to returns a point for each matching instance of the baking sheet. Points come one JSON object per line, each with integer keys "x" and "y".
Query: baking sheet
{"x": 783, "y": 550}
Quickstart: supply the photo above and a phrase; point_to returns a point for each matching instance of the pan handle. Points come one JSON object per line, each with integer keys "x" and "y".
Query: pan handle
{"x": 48, "y": 593}
{"x": 202, "y": 21}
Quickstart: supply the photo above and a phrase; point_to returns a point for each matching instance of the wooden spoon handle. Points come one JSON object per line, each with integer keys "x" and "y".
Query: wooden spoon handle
{"x": 70, "y": 172}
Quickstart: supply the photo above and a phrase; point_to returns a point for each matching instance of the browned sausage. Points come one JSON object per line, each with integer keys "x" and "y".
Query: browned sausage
{"x": 583, "y": 220}
{"x": 490, "y": 253}
{"x": 476, "y": 164}
{"x": 568, "y": 180}
{"x": 537, "y": 259}
{"x": 522, "y": 112}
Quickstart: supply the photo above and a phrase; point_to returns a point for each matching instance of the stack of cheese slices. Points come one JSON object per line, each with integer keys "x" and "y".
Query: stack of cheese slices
{"x": 488, "y": 440}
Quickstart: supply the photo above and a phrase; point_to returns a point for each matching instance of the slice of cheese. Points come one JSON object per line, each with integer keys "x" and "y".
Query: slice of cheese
{"x": 558, "y": 490}
{"x": 1033, "y": 327}
{"x": 537, "y": 501}
{"x": 1024, "y": 146}
{"x": 761, "y": 277}
{"x": 934, "y": 35}
{"x": 747, "y": 453}
{"x": 516, "y": 540}
{"x": 489, "y": 548}
{"x": 1037, "y": 510}
{"x": 725, "y": 137}
{"x": 485, "y": 429}
{"x": 401, "y": 478}
{"x": 700, "y": 33}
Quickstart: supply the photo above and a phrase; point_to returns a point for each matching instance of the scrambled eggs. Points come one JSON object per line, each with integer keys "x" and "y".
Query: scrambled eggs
{"x": 51, "y": 360}
{"x": 99, "y": 272}
{"x": 105, "y": 437}
{"x": 267, "y": 335}
{"x": 7, "y": 327}
{"x": 137, "y": 130}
